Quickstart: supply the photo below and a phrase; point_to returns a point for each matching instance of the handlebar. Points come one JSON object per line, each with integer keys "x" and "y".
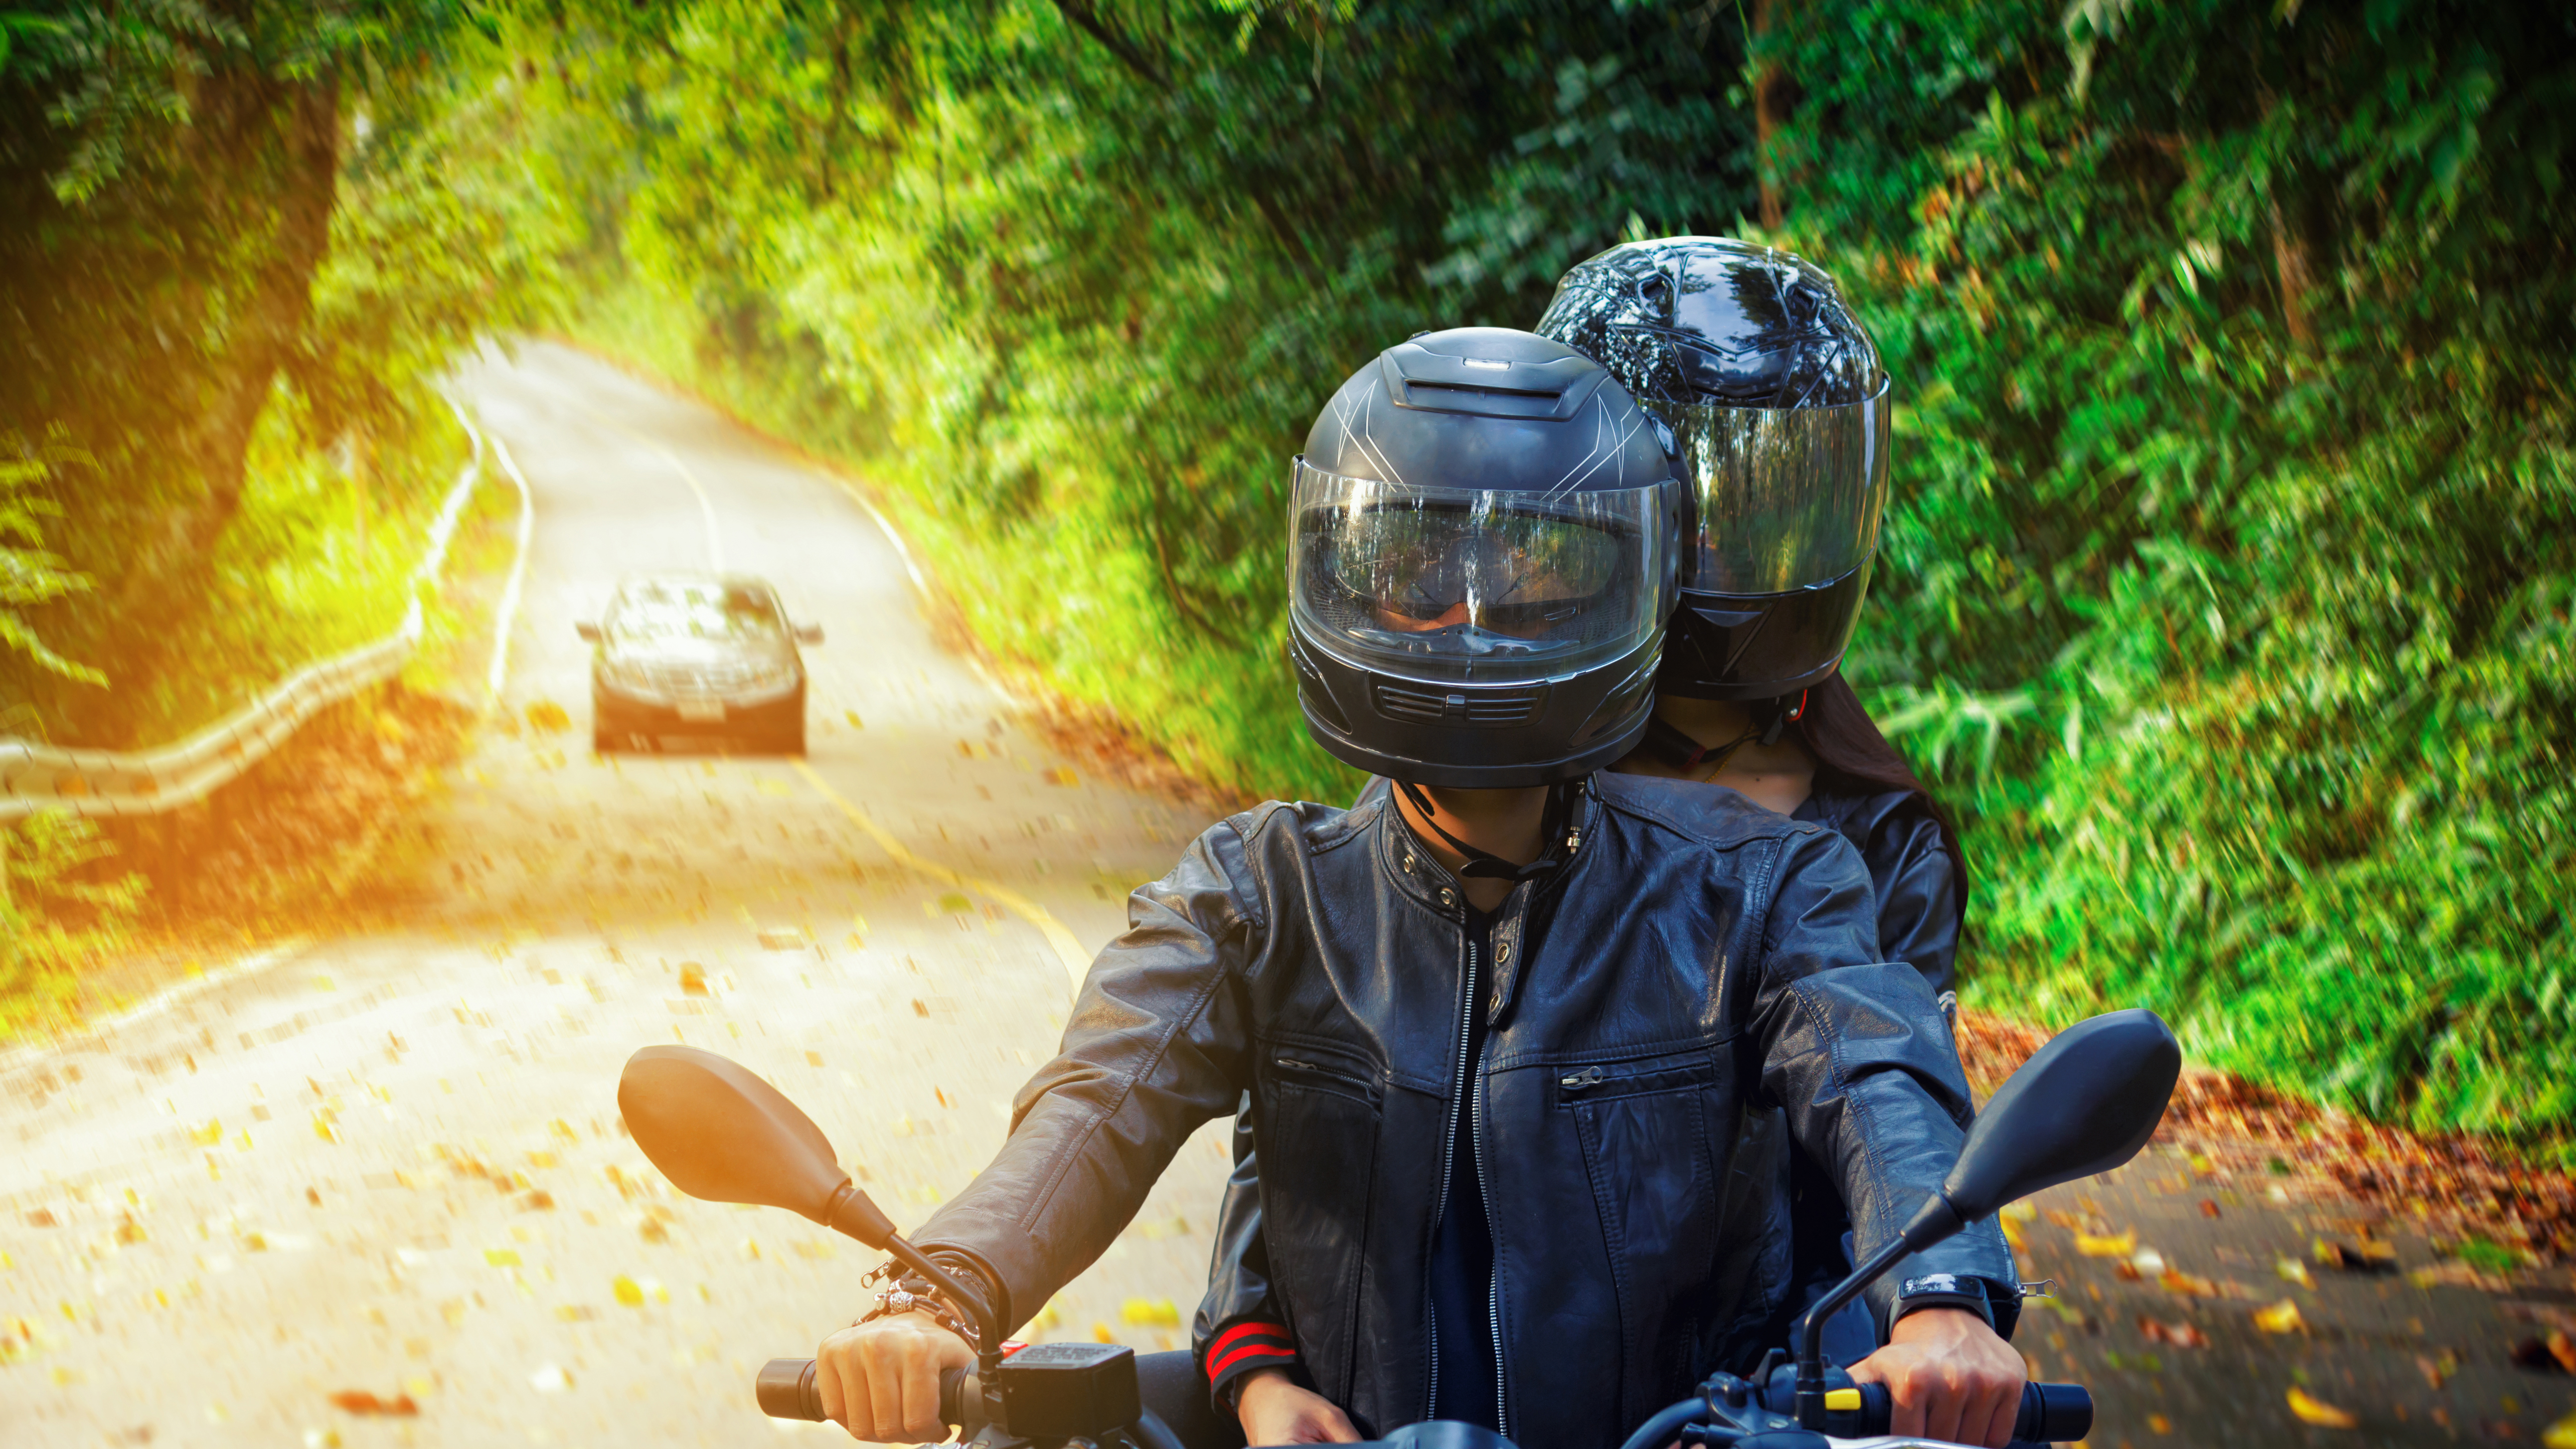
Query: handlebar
{"x": 2050, "y": 1413}
{"x": 786, "y": 1390}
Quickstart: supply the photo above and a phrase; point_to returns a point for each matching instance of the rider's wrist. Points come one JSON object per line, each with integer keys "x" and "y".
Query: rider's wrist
{"x": 1943, "y": 1290}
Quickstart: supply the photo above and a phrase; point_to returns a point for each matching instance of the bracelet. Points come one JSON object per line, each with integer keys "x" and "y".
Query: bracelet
{"x": 911, "y": 1293}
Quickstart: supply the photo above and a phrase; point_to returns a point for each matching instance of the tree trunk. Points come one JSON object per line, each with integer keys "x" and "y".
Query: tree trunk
{"x": 212, "y": 445}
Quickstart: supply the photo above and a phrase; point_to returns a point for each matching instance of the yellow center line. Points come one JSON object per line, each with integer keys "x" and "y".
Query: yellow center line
{"x": 1077, "y": 962}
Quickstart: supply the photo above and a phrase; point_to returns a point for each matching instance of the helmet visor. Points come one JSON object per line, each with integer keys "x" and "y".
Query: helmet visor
{"x": 1788, "y": 498}
{"x": 1477, "y": 586}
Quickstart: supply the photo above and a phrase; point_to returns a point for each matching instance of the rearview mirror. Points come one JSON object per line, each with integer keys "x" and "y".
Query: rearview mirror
{"x": 720, "y": 1133}
{"x": 2084, "y": 1103}
{"x": 588, "y": 631}
{"x": 809, "y": 633}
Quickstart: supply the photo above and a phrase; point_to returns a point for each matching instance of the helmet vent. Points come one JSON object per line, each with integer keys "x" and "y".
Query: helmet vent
{"x": 1484, "y": 708}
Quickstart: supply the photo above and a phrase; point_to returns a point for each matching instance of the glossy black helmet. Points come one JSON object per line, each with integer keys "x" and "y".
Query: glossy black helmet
{"x": 1484, "y": 534}
{"x": 1781, "y": 409}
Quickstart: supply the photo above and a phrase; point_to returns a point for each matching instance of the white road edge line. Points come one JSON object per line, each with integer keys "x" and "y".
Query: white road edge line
{"x": 507, "y": 614}
{"x": 706, "y": 507}
{"x": 1077, "y": 962}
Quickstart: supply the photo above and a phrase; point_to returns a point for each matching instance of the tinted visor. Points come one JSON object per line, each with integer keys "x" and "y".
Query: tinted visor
{"x": 1788, "y": 498}
{"x": 1455, "y": 585}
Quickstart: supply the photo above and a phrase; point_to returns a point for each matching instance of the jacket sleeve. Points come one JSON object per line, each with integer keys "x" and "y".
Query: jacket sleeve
{"x": 1155, "y": 1047}
{"x": 1855, "y": 1050}
{"x": 1918, "y": 897}
{"x": 1239, "y": 1326}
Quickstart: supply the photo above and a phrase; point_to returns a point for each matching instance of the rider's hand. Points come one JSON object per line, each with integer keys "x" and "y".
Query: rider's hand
{"x": 1950, "y": 1376}
{"x": 1275, "y": 1411}
{"x": 880, "y": 1380}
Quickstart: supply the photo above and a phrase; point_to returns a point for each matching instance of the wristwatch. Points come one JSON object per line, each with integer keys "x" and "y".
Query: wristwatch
{"x": 1944, "y": 1290}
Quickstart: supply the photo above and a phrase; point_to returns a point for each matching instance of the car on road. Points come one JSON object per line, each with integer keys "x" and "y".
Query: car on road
{"x": 697, "y": 655}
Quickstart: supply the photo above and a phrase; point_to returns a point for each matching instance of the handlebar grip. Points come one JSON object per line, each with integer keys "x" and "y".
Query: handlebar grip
{"x": 2054, "y": 1414}
{"x": 2050, "y": 1413}
{"x": 786, "y": 1390}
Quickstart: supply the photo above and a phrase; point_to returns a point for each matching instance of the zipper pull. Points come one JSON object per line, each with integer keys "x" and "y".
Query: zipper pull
{"x": 1294, "y": 1065}
{"x": 1588, "y": 1077}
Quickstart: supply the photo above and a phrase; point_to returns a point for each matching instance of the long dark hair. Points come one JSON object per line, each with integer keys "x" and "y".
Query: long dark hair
{"x": 1853, "y": 757}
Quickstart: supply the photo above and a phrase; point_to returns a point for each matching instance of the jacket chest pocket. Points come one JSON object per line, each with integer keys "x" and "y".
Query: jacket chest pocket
{"x": 1647, "y": 1146}
{"x": 1317, "y": 1127}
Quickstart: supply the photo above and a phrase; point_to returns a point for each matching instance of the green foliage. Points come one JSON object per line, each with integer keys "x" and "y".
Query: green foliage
{"x": 60, "y": 913}
{"x": 28, "y": 574}
{"x": 243, "y": 240}
{"x": 2236, "y": 524}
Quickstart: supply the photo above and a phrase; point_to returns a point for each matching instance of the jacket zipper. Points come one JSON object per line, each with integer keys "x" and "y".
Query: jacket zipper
{"x": 1440, "y": 1205}
{"x": 1494, "y": 1241}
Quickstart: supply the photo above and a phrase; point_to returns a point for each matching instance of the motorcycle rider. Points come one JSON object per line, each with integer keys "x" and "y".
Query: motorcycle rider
{"x": 1778, "y": 400}
{"x": 1503, "y": 1025}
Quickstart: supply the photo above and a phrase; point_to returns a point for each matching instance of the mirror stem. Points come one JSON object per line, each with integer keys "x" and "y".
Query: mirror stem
{"x": 1811, "y": 1332}
{"x": 1934, "y": 1221}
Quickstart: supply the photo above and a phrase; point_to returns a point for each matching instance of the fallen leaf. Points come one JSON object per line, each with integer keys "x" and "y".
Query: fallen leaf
{"x": 2281, "y": 1317}
{"x": 2148, "y": 1262}
{"x": 210, "y": 1135}
{"x": 1150, "y": 1313}
{"x": 2320, "y": 1413}
{"x": 2371, "y": 1256}
{"x": 2293, "y": 1271}
{"x": 501, "y": 1257}
{"x": 693, "y": 979}
{"x": 1100, "y": 1331}
{"x": 2190, "y": 1285}
{"x": 2160, "y": 1423}
{"x": 2551, "y": 1355}
{"x": 552, "y": 1379}
{"x": 2020, "y": 1212}
{"x": 359, "y": 1401}
{"x": 2180, "y": 1335}
{"x": 2561, "y": 1435}
{"x": 2208, "y": 1208}
{"x": 2092, "y": 1246}
{"x": 1061, "y": 775}
{"x": 782, "y": 938}
{"x": 547, "y": 717}
{"x": 2438, "y": 1371}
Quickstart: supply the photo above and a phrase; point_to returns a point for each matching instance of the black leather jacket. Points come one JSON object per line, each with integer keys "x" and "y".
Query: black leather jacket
{"x": 1697, "y": 964}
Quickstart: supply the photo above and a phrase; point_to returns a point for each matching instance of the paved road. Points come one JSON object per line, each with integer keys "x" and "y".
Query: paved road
{"x": 391, "y": 1165}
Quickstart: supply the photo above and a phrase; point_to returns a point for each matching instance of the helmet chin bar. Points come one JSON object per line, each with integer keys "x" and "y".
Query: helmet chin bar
{"x": 1475, "y": 737}
{"x": 1762, "y": 646}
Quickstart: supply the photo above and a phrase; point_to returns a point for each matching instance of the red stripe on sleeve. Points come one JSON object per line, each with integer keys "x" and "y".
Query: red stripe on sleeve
{"x": 1218, "y": 1366}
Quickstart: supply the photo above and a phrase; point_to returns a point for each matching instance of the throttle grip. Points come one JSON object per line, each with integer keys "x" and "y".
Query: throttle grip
{"x": 2050, "y": 1413}
{"x": 786, "y": 1390}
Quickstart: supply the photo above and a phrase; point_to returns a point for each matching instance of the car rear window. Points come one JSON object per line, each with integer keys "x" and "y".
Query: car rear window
{"x": 696, "y": 611}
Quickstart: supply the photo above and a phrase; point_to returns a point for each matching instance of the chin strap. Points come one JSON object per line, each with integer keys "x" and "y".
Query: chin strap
{"x": 1489, "y": 866}
{"x": 1667, "y": 742}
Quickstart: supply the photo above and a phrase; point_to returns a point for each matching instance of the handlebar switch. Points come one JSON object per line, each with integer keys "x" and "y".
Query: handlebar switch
{"x": 1069, "y": 1390}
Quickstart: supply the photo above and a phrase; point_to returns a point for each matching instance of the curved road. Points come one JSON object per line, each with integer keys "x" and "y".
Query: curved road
{"x": 392, "y": 1166}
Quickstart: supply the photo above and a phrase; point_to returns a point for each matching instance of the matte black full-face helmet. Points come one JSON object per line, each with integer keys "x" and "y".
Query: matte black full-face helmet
{"x": 1782, "y": 412}
{"x": 1484, "y": 536}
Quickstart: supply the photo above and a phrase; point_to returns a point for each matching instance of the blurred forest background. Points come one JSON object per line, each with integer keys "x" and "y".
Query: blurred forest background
{"x": 2229, "y": 571}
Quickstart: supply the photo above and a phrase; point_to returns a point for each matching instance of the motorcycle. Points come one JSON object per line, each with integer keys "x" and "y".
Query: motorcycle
{"x": 2083, "y": 1104}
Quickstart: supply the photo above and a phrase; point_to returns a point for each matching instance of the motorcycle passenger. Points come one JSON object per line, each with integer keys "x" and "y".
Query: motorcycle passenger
{"x": 1724, "y": 342}
{"x": 1503, "y": 1025}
